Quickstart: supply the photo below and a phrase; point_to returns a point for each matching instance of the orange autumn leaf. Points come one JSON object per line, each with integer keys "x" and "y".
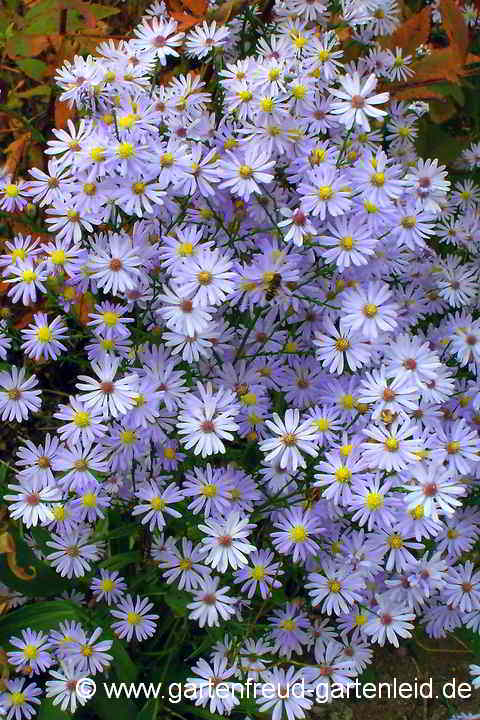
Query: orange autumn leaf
{"x": 63, "y": 112}
{"x": 83, "y": 307}
{"x": 454, "y": 25}
{"x": 421, "y": 92}
{"x": 15, "y": 152}
{"x": 441, "y": 65}
{"x": 25, "y": 319}
{"x": 411, "y": 33}
{"x": 187, "y": 12}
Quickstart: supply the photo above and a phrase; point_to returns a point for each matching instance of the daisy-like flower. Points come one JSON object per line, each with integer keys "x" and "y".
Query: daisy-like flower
{"x": 210, "y": 603}
{"x": 18, "y": 700}
{"x": 324, "y": 192}
{"x": 72, "y": 553}
{"x": 243, "y": 171}
{"x": 63, "y": 686}
{"x": 207, "y": 278}
{"x": 291, "y": 628}
{"x": 89, "y": 655}
{"x": 387, "y": 620}
{"x": 433, "y": 487}
{"x": 391, "y": 448}
{"x": 82, "y": 424}
{"x": 226, "y": 544}
{"x": 293, "y": 438}
{"x": 109, "y": 586}
{"x": 368, "y": 310}
{"x": 210, "y": 489}
{"x": 262, "y": 573}
{"x": 113, "y": 396}
{"x": 32, "y": 500}
{"x": 355, "y": 103}
{"x": 204, "y": 686}
{"x": 28, "y": 279}
{"x": 334, "y": 347}
{"x": 158, "y": 35}
{"x": 115, "y": 266}
{"x": 184, "y": 567}
{"x": 456, "y": 447}
{"x": 462, "y": 588}
{"x": 17, "y": 399}
{"x": 350, "y": 242}
{"x": 36, "y": 461}
{"x": 134, "y": 618}
{"x": 299, "y": 226}
{"x": 206, "y": 421}
{"x": 296, "y": 528}
{"x": 12, "y": 194}
{"x": 338, "y": 588}
{"x": 156, "y": 502}
{"x": 428, "y": 180}
{"x": 205, "y": 38}
{"x": 43, "y": 339}
{"x": 279, "y": 694}
{"x": 32, "y": 652}
{"x": 181, "y": 314}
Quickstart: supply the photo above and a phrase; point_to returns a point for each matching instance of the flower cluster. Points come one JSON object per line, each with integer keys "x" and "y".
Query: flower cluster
{"x": 277, "y": 381}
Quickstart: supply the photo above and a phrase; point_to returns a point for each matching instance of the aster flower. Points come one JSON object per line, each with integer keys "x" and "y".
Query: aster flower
{"x": 356, "y": 104}
{"x": 324, "y": 192}
{"x": 17, "y": 399}
{"x": 83, "y": 424}
{"x": 210, "y": 603}
{"x": 226, "y": 544}
{"x": 113, "y": 396}
{"x": 296, "y": 528}
{"x": 28, "y": 279}
{"x": 19, "y": 699}
{"x": 110, "y": 586}
{"x": 43, "y": 339}
{"x": 284, "y": 698}
{"x": 72, "y": 553}
{"x": 89, "y": 655}
{"x": 206, "y": 421}
{"x": 368, "y": 310}
{"x": 338, "y": 588}
{"x": 156, "y": 503}
{"x": 134, "y": 618}
{"x": 207, "y": 678}
{"x": 32, "y": 652}
{"x": 389, "y": 620}
{"x": 293, "y": 437}
{"x": 184, "y": 567}
{"x": 32, "y": 500}
{"x": 62, "y": 687}
{"x": 243, "y": 172}
{"x": 115, "y": 266}
{"x": 206, "y": 38}
{"x": 262, "y": 573}
{"x": 391, "y": 448}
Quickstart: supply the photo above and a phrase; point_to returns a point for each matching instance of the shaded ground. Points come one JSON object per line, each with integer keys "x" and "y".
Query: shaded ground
{"x": 448, "y": 663}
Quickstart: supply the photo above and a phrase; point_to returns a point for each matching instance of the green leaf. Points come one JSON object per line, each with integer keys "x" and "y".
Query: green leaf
{"x": 46, "y": 582}
{"x": 39, "y": 616}
{"x": 49, "y": 711}
{"x": 33, "y": 68}
{"x": 121, "y": 560}
{"x": 111, "y": 708}
{"x": 177, "y": 601}
{"x": 39, "y": 90}
{"x": 149, "y": 711}
{"x": 101, "y": 11}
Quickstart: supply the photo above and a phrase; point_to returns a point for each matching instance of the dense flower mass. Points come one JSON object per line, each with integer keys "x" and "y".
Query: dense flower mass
{"x": 270, "y": 303}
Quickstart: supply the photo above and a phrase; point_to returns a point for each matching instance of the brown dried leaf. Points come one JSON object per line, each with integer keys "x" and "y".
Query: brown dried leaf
{"x": 455, "y": 26}
{"x": 63, "y": 113}
{"x": 445, "y": 64}
{"x": 15, "y": 152}
{"x": 411, "y": 33}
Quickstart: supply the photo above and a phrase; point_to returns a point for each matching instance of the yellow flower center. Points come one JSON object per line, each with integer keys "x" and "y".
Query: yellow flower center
{"x": 128, "y": 437}
{"x": 107, "y": 585}
{"x": 90, "y": 500}
{"x": 158, "y": 503}
{"x": 110, "y": 318}
{"x": 17, "y": 698}
{"x": 209, "y": 490}
{"x": 97, "y": 154}
{"x": 298, "y": 533}
{"x": 44, "y": 334}
{"x": 58, "y": 257}
{"x": 343, "y": 474}
{"x": 288, "y": 625}
{"x": 395, "y": 542}
{"x": 342, "y": 344}
{"x": 391, "y": 444}
{"x": 245, "y": 171}
{"x": 30, "y": 652}
{"x": 125, "y": 150}
{"x": 374, "y": 501}
{"x": 29, "y": 276}
{"x": 370, "y": 310}
{"x": 258, "y": 572}
{"x": 325, "y": 192}
{"x": 321, "y": 424}
{"x": 334, "y": 586}
{"x": 134, "y": 618}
